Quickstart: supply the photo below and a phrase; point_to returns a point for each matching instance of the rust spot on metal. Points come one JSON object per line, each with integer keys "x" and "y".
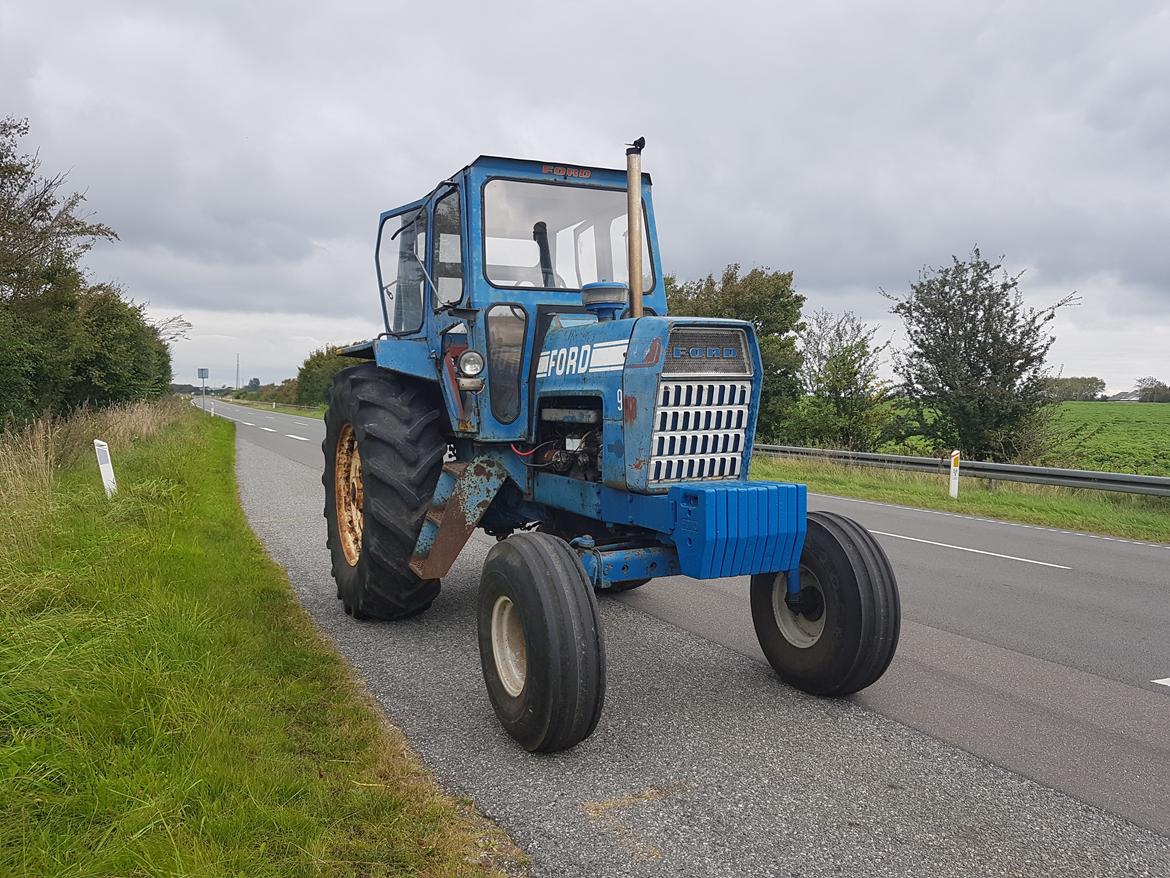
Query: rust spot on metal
{"x": 653, "y": 355}
{"x": 475, "y": 487}
{"x": 629, "y": 408}
{"x": 639, "y": 463}
{"x": 349, "y": 495}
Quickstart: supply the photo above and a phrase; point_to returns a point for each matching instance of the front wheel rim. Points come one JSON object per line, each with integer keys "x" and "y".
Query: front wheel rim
{"x": 799, "y": 630}
{"x": 347, "y": 486}
{"x": 509, "y": 649}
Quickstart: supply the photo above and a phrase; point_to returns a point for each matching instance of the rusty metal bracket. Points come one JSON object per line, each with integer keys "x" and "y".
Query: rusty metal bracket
{"x": 449, "y": 526}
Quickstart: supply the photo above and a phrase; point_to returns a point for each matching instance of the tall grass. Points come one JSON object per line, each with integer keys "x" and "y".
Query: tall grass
{"x": 32, "y": 455}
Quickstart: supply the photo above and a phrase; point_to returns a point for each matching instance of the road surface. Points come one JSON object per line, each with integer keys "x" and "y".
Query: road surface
{"x": 1019, "y": 730}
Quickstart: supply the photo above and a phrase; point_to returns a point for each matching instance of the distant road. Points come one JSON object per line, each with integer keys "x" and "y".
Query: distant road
{"x": 1034, "y": 649}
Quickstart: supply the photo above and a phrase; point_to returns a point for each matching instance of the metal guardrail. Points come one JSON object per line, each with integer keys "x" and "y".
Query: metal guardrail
{"x": 1128, "y": 483}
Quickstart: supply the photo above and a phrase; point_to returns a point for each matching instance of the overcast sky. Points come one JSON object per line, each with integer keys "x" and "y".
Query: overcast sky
{"x": 244, "y": 150}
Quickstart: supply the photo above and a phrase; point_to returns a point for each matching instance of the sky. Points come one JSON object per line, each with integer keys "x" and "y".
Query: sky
{"x": 243, "y": 151}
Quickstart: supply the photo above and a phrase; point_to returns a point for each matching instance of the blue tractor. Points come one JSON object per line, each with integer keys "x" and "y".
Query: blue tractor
{"x": 531, "y": 383}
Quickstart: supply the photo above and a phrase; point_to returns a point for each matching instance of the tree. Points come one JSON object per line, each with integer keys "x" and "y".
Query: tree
{"x": 63, "y": 340}
{"x": 1150, "y": 389}
{"x": 974, "y": 368}
{"x": 316, "y": 375}
{"x": 40, "y": 228}
{"x": 254, "y": 384}
{"x": 846, "y": 403}
{"x": 767, "y": 300}
{"x": 1075, "y": 389}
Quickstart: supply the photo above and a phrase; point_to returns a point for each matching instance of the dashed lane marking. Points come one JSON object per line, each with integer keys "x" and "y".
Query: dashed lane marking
{"x": 301, "y": 438}
{"x": 975, "y": 551}
{"x": 1053, "y": 530}
{"x": 1165, "y": 681}
{"x": 267, "y": 429}
{"x": 247, "y": 423}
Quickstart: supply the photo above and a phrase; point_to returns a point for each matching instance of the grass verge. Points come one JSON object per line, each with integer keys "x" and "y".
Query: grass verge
{"x": 1122, "y": 515}
{"x": 165, "y": 705}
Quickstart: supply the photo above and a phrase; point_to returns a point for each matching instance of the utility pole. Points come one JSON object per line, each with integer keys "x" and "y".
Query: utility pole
{"x": 237, "y": 371}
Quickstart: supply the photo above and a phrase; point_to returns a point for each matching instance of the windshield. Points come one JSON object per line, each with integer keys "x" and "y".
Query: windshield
{"x": 557, "y": 237}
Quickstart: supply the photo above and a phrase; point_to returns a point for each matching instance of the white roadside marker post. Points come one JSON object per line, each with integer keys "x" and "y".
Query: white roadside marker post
{"x": 106, "y": 466}
{"x": 213, "y": 408}
{"x": 955, "y": 474}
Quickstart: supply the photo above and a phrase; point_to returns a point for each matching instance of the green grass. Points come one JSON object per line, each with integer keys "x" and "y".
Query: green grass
{"x": 167, "y": 708}
{"x": 309, "y": 412}
{"x": 1123, "y": 515}
{"x": 1133, "y": 438}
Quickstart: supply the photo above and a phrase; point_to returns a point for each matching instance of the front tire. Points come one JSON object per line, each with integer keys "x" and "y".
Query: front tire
{"x": 846, "y": 631}
{"x": 540, "y": 642}
{"x": 384, "y": 447}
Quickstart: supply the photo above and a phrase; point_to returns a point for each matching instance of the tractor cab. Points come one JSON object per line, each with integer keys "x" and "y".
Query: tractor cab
{"x": 489, "y": 262}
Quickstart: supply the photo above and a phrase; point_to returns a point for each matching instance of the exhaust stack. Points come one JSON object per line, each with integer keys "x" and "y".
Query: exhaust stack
{"x": 634, "y": 214}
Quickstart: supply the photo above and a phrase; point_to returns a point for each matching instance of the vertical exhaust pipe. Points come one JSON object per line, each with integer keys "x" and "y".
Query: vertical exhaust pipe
{"x": 634, "y": 214}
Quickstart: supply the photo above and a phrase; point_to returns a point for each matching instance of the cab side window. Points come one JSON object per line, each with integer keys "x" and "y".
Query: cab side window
{"x": 448, "y": 250}
{"x": 402, "y": 248}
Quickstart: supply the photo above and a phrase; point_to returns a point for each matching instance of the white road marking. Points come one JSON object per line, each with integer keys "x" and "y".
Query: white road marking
{"x": 267, "y": 429}
{"x": 247, "y": 423}
{"x": 966, "y": 549}
{"x": 1165, "y": 681}
{"x": 1070, "y": 533}
{"x": 291, "y": 436}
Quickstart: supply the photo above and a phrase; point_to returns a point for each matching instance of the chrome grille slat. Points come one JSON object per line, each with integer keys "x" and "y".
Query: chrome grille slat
{"x": 700, "y": 429}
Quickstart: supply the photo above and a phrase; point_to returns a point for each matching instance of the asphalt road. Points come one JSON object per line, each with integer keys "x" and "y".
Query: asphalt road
{"x": 1017, "y": 732}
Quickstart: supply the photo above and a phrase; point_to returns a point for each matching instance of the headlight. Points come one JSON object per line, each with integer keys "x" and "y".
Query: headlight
{"x": 470, "y": 363}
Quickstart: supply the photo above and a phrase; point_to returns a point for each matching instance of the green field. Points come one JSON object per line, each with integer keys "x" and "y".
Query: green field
{"x": 1133, "y": 437}
{"x": 166, "y": 707}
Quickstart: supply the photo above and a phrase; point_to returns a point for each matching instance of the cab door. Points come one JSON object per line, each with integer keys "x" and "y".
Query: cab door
{"x": 401, "y": 265}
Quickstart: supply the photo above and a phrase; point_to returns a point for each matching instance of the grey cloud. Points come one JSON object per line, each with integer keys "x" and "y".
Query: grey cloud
{"x": 244, "y": 152}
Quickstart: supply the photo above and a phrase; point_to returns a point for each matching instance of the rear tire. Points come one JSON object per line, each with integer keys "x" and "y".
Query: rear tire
{"x": 385, "y": 433}
{"x": 540, "y": 642}
{"x": 847, "y": 631}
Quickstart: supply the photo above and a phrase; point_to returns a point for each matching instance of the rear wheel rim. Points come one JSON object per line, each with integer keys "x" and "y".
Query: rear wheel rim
{"x": 509, "y": 649}
{"x": 349, "y": 495}
{"x": 797, "y": 629}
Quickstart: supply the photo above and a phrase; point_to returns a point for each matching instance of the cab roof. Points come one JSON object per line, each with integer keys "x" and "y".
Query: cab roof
{"x": 493, "y": 164}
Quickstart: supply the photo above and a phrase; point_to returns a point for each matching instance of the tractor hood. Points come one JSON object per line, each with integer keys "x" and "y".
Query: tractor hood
{"x": 679, "y": 395}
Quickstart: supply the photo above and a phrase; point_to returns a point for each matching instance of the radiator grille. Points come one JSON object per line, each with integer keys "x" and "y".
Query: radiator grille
{"x": 699, "y": 430}
{"x": 701, "y": 350}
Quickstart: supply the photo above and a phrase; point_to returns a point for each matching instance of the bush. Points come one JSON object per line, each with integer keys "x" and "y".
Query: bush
{"x": 64, "y": 342}
{"x": 316, "y": 375}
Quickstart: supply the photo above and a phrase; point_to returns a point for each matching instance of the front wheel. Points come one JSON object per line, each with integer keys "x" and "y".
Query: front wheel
{"x": 540, "y": 642}
{"x": 842, "y": 634}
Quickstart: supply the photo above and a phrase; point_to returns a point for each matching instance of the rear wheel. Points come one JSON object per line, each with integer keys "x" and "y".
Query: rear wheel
{"x": 384, "y": 447}
{"x": 540, "y": 642}
{"x": 842, "y": 634}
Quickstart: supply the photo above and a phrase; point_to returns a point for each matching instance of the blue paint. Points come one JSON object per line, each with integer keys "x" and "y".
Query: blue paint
{"x": 609, "y": 566}
{"x": 719, "y": 529}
